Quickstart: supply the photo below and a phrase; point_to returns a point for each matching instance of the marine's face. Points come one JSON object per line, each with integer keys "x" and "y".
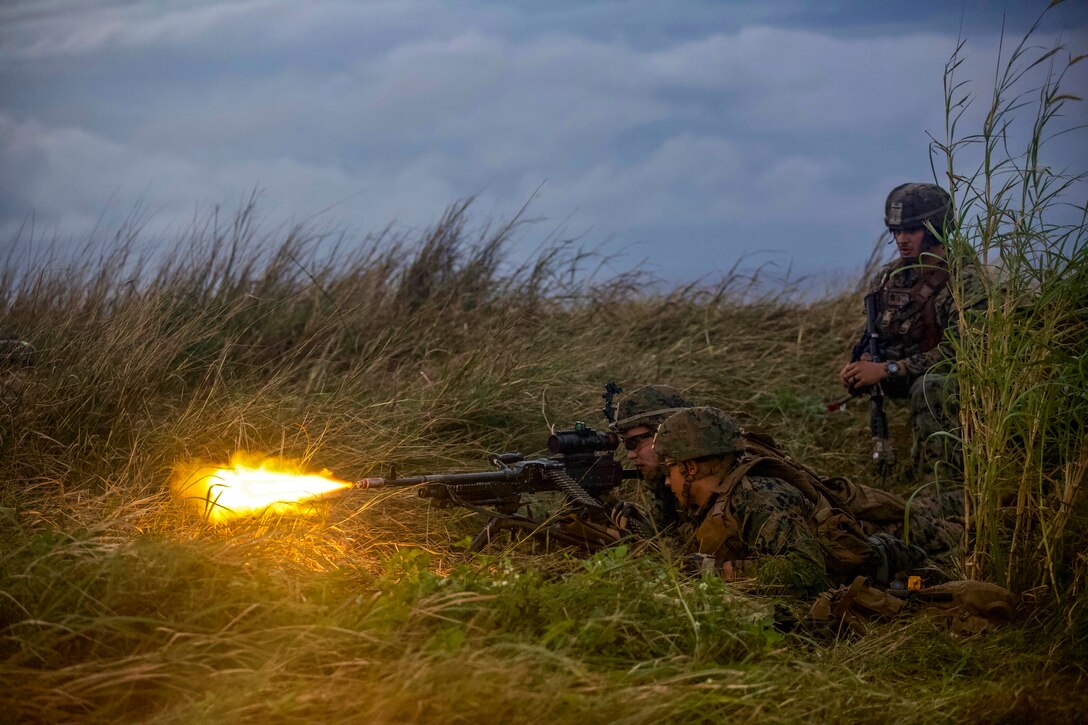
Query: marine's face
{"x": 640, "y": 450}
{"x": 674, "y": 476}
{"x": 676, "y": 479}
{"x": 909, "y": 242}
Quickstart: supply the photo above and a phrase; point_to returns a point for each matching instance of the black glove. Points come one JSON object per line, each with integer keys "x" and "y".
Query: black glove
{"x": 628, "y": 520}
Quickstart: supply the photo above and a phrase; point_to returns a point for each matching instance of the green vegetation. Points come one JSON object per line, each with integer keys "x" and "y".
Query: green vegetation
{"x": 1024, "y": 369}
{"x": 118, "y": 604}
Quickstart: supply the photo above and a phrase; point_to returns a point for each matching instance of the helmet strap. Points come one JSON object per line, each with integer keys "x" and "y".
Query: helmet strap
{"x": 689, "y": 478}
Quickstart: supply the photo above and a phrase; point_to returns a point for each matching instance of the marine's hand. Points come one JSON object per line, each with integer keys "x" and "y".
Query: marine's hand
{"x": 844, "y": 376}
{"x": 626, "y": 518}
{"x": 862, "y": 374}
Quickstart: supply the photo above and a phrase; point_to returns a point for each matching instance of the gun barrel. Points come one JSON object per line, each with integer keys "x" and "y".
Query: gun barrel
{"x": 502, "y": 475}
{"x": 878, "y": 419}
{"x": 873, "y": 327}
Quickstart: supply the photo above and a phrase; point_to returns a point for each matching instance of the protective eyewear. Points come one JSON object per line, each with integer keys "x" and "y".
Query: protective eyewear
{"x": 634, "y": 442}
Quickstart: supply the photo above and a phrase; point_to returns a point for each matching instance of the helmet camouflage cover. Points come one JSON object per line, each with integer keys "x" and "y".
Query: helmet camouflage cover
{"x": 911, "y": 206}
{"x": 648, "y": 406}
{"x": 697, "y": 432}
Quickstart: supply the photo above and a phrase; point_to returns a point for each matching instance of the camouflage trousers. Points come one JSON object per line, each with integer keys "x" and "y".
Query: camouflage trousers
{"x": 934, "y": 521}
{"x": 890, "y": 555}
{"x": 934, "y": 405}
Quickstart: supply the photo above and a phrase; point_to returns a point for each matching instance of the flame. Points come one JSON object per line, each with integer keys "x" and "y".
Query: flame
{"x": 252, "y": 484}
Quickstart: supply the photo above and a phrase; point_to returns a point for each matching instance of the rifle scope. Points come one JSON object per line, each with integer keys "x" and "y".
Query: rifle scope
{"x": 582, "y": 440}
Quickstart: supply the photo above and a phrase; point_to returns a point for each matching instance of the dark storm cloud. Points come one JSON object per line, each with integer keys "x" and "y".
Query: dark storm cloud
{"x": 717, "y": 131}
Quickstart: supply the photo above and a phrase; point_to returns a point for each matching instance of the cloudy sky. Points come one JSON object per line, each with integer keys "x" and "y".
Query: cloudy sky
{"x": 688, "y": 133}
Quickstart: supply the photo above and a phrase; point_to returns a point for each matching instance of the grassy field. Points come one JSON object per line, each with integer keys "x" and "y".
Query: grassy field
{"x": 119, "y": 603}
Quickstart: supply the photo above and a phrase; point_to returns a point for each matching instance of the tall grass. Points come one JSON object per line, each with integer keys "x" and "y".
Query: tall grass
{"x": 429, "y": 352}
{"x": 426, "y": 353}
{"x": 117, "y": 603}
{"x": 1021, "y": 363}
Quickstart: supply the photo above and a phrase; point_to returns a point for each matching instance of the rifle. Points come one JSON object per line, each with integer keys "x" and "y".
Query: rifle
{"x": 582, "y": 469}
{"x": 878, "y": 420}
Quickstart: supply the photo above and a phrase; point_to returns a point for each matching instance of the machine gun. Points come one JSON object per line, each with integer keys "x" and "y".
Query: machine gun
{"x": 582, "y": 469}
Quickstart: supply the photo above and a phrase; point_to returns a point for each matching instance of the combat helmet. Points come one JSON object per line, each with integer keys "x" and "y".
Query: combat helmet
{"x": 648, "y": 406}
{"x": 697, "y": 432}
{"x": 913, "y": 205}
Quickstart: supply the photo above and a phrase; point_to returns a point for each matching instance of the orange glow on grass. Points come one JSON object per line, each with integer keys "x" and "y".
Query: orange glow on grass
{"x": 251, "y": 485}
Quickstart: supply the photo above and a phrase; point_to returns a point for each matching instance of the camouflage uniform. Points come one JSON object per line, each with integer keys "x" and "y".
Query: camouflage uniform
{"x": 763, "y": 524}
{"x": 648, "y": 405}
{"x": 918, "y": 318}
{"x": 932, "y": 519}
{"x": 761, "y": 517}
{"x": 935, "y": 522}
{"x": 915, "y": 332}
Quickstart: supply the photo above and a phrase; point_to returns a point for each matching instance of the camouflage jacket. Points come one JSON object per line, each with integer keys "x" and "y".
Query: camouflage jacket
{"x": 768, "y": 507}
{"x": 917, "y": 312}
{"x": 786, "y": 531}
{"x": 761, "y": 516}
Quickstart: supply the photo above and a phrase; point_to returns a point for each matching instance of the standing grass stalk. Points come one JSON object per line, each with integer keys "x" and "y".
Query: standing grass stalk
{"x": 1022, "y": 364}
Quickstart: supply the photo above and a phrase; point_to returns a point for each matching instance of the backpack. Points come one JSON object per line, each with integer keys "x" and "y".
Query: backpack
{"x": 847, "y": 609}
{"x": 963, "y": 607}
{"x": 866, "y": 504}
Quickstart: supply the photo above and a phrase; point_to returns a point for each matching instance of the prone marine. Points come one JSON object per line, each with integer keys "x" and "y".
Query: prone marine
{"x": 755, "y": 512}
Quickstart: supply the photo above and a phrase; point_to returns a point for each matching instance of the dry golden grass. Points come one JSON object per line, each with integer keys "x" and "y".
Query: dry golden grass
{"x": 117, "y": 603}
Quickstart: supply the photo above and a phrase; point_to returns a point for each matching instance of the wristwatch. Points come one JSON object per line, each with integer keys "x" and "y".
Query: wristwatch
{"x": 891, "y": 367}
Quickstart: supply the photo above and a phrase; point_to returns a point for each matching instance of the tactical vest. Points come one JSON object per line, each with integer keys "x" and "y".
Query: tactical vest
{"x": 839, "y": 507}
{"x": 867, "y": 504}
{"x": 909, "y": 314}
